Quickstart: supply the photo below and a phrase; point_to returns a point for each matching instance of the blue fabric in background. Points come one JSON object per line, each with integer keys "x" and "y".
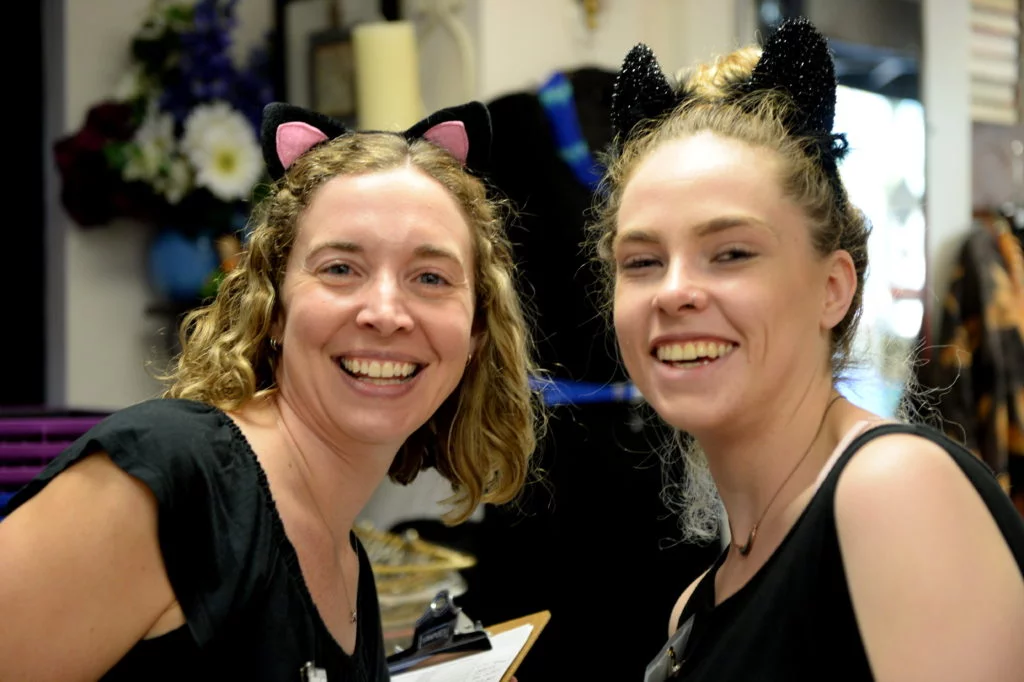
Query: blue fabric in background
{"x": 866, "y": 388}
{"x": 561, "y": 392}
{"x": 556, "y": 96}
{"x": 4, "y": 499}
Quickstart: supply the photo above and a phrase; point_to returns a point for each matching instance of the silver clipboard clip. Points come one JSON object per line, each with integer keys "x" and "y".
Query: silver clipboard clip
{"x": 444, "y": 628}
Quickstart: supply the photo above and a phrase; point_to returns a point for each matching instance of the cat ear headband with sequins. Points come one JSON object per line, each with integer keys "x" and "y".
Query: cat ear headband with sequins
{"x": 795, "y": 59}
{"x": 288, "y": 132}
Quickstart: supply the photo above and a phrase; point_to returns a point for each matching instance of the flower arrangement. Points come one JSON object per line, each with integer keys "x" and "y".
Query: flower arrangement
{"x": 178, "y": 143}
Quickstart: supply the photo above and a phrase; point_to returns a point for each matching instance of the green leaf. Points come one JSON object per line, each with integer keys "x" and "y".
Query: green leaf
{"x": 118, "y": 154}
{"x": 212, "y": 284}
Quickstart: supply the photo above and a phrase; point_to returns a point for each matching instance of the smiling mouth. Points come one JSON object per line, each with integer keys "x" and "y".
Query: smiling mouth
{"x": 692, "y": 354}
{"x": 379, "y": 373}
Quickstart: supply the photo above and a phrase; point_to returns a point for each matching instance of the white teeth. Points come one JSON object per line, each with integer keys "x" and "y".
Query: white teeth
{"x": 690, "y": 351}
{"x": 375, "y": 369}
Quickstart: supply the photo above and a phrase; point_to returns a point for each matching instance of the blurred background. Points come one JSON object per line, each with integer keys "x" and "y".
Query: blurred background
{"x": 138, "y": 148}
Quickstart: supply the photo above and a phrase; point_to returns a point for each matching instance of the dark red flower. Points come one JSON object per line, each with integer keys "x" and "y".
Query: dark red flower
{"x": 92, "y": 191}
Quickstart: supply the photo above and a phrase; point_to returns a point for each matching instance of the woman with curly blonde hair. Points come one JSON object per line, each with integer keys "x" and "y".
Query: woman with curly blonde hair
{"x": 371, "y": 328}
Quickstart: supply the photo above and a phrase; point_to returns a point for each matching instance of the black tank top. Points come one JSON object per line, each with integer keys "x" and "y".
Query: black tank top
{"x": 794, "y": 619}
{"x": 248, "y": 613}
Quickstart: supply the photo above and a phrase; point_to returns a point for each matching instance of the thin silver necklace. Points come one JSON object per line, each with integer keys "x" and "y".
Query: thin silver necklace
{"x": 745, "y": 548}
{"x": 323, "y": 519}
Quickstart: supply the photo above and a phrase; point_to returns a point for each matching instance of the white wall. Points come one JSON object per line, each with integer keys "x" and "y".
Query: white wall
{"x": 948, "y": 157}
{"x": 102, "y": 295}
{"x": 523, "y": 42}
{"x": 104, "y": 298}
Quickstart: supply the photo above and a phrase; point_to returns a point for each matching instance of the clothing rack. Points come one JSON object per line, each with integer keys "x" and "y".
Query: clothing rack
{"x": 563, "y": 392}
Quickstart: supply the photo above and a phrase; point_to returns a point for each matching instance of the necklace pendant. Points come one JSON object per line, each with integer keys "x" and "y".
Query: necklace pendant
{"x": 352, "y": 616}
{"x": 745, "y": 548}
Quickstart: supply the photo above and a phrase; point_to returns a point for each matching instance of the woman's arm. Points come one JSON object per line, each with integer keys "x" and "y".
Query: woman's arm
{"x": 81, "y": 575}
{"x": 936, "y": 591}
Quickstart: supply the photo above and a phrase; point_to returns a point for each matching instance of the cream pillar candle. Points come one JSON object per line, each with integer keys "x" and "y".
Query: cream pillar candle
{"x": 387, "y": 75}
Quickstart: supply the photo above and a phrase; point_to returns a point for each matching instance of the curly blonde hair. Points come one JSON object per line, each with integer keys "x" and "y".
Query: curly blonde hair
{"x": 758, "y": 119}
{"x": 482, "y": 437}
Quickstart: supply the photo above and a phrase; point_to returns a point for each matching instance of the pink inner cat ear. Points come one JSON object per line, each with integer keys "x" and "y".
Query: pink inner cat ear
{"x": 452, "y": 136}
{"x": 295, "y": 139}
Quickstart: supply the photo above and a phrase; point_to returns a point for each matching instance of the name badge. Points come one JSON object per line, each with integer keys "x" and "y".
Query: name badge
{"x": 311, "y": 673}
{"x": 669, "y": 660}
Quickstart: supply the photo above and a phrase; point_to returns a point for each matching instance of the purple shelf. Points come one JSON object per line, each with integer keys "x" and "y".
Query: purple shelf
{"x": 18, "y": 475}
{"x": 28, "y": 442}
{"x": 44, "y": 427}
{"x": 31, "y": 450}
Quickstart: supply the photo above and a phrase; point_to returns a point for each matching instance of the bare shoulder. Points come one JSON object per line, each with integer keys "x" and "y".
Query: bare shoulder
{"x": 677, "y": 610}
{"x": 901, "y": 493}
{"x": 907, "y": 462}
{"x": 905, "y": 510}
{"x": 82, "y": 565}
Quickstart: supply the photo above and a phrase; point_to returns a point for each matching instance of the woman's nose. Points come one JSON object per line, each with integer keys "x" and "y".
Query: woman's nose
{"x": 680, "y": 292}
{"x": 384, "y": 308}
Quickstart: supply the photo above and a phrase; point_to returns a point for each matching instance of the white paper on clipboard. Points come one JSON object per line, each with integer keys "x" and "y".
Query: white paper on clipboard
{"x": 486, "y": 666}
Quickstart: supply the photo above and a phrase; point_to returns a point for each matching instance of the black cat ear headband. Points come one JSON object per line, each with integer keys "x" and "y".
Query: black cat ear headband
{"x": 288, "y": 132}
{"x": 795, "y": 59}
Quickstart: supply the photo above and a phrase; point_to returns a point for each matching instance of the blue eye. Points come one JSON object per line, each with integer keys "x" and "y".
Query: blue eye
{"x": 338, "y": 269}
{"x": 432, "y": 279}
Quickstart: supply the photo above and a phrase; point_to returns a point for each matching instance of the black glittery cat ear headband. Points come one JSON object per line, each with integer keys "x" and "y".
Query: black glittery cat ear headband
{"x": 795, "y": 59}
{"x": 287, "y": 132}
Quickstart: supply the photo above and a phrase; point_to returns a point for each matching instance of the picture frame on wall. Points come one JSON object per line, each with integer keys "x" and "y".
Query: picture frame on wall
{"x": 332, "y": 74}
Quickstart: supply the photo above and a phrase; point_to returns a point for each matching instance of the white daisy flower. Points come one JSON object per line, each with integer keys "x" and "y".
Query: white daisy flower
{"x": 153, "y": 146}
{"x": 223, "y": 148}
{"x": 178, "y": 181}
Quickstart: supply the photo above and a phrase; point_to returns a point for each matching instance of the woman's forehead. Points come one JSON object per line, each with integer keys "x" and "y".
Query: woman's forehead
{"x": 704, "y": 155}
{"x": 701, "y": 175}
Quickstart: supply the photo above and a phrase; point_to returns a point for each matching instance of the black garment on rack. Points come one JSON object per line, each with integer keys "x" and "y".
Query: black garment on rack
{"x": 553, "y": 207}
{"x": 593, "y": 542}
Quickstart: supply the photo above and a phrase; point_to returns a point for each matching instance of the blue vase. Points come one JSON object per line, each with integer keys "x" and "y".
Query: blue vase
{"x": 180, "y": 265}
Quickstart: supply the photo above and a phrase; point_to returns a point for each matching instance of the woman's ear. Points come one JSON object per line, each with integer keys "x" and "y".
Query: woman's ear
{"x": 840, "y": 287}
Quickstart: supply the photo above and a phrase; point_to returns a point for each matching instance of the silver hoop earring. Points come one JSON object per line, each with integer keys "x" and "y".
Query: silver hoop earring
{"x": 275, "y": 345}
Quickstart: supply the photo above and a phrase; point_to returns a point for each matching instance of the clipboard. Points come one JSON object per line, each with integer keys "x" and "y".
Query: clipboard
{"x": 538, "y": 621}
{"x": 422, "y": 670}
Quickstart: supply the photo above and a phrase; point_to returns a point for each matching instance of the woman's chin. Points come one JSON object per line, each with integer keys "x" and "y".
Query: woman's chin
{"x": 694, "y": 417}
{"x": 382, "y": 430}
